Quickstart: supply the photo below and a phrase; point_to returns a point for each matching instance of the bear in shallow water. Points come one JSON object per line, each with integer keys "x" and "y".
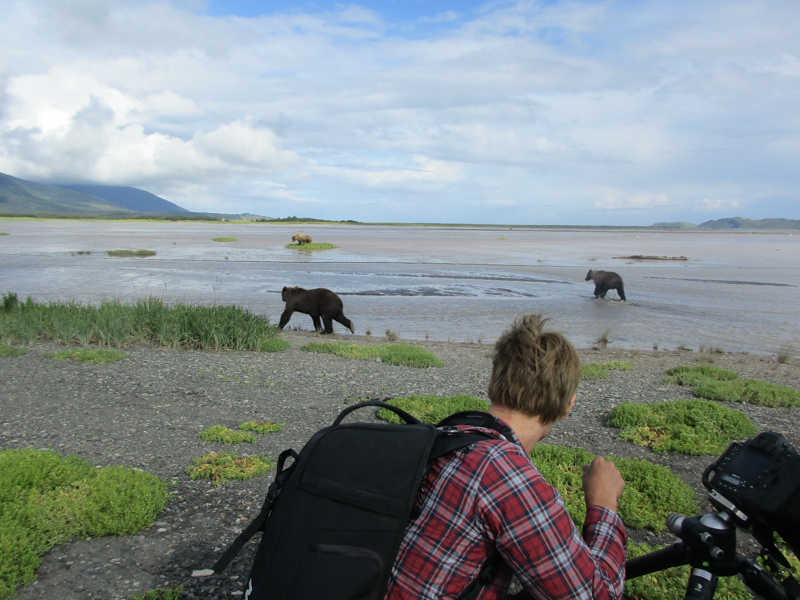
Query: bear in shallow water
{"x": 301, "y": 238}
{"x": 319, "y": 302}
{"x": 604, "y": 281}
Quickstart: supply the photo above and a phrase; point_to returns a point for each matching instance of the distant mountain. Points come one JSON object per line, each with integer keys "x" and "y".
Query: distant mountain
{"x": 128, "y": 198}
{"x": 18, "y": 196}
{"x": 740, "y": 223}
{"x": 675, "y": 225}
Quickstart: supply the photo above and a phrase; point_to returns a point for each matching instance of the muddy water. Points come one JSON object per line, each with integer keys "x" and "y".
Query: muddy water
{"x": 737, "y": 291}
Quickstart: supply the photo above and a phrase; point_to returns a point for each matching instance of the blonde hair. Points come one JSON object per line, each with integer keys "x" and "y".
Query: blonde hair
{"x": 533, "y": 371}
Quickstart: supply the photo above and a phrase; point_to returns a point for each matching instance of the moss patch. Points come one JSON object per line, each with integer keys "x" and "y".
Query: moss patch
{"x": 432, "y": 409}
{"x": 671, "y": 584}
{"x": 223, "y": 435}
{"x": 600, "y": 370}
{"x": 131, "y": 253}
{"x": 224, "y": 239}
{"x": 686, "y": 426}
{"x": 261, "y": 427}
{"x": 714, "y": 383}
{"x": 10, "y": 351}
{"x": 312, "y": 247}
{"x": 404, "y": 355}
{"x": 90, "y": 357}
{"x": 274, "y": 345}
{"x": 651, "y": 492}
{"x": 691, "y": 374}
{"x": 46, "y": 499}
{"x": 221, "y": 466}
{"x": 162, "y": 593}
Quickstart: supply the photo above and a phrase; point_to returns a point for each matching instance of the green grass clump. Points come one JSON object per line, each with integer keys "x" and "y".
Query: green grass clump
{"x": 162, "y": 593}
{"x": 404, "y": 355}
{"x": 10, "y": 351}
{"x": 220, "y": 466}
{"x": 224, "y": 435}
{"x": 616, "y": 365}
{"x": 651, "y": 492}
{"x": 311, "y": 247}
{"x": 754, "y": 391}
{"x": 432, "y": 409}
{"x": 686, "y": 426}
{"x": 600, "y": 370}
{"x": 275, "y": 344}
{"x": 690, "y": 375}
{"x": 46, "y": 499}
{"x": 224, "y": 239}
{"x": 90, "y": 357}
{"x": 149, "y": 320}
{"x": 593, "y": 371}
{"x": 714, "y": 383}
{"x": 261, "y": 427}
{"x": 671, "y": 584}
{"x": 131, "y": 253}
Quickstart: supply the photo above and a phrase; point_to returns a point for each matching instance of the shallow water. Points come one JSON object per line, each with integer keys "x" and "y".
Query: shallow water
{"x": 737, "y": 291}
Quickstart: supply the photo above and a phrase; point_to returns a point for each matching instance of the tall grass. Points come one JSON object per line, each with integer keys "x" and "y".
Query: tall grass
{"x": 150, "y": 320}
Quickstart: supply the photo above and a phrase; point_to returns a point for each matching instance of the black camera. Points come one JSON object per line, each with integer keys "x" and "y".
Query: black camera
{"x": 757, "y": 482}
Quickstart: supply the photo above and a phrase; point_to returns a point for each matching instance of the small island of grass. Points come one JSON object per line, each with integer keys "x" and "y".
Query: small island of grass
{"x": 131, "y": 253}
{"x": 224, "y": 239}
{"x": 313, "y": 246}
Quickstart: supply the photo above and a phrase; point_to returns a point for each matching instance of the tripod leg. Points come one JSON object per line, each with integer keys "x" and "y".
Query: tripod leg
{"x": 702, "y": 585}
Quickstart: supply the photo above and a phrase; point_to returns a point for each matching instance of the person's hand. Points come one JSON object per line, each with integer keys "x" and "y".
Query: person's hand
{"x": 602, "y": 483}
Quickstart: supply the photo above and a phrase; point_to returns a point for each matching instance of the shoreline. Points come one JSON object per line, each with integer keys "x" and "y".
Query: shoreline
{"x": 146, "y": 411}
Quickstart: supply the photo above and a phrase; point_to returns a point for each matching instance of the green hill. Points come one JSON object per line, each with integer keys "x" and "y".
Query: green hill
{"x": 129, "y": 198}
{"x": 740, "y": 223}
{"x": 18, "y": 196}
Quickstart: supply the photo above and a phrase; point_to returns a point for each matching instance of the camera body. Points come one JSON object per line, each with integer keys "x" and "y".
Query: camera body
{"x": 761, "y": 479}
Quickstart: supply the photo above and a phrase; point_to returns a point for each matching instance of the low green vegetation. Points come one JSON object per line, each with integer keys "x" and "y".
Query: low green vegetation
{"x": 690, "y": 375}
{"x": 718, "y": 384}
{"x": 221, "y": 466}
{"x": 600, "y": 370}
{"x": 224, "y": 239}
{"x": 10, "y": 351}
{"x": 150, "y": 320}
{"x": 46, "y": 499}
{"x": 404, "y": 355}
{"x": 432, "y": 409}
{"x": 90, "y": 357}
{"x": 686, "y": 426}
{"x": 162, "y": 593}
{"x": 261, "y": 427}
{"x": 131, "y": 253}
{"x": 224, "y": 435}
{"x": 313, "y": 246}
{"x": 754, "y": 391}
{"x": 671, "y": 584}
{"x": 651, "y": 492}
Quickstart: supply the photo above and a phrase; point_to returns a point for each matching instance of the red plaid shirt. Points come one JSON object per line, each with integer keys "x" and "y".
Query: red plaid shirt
{"x": 490, "y": 497}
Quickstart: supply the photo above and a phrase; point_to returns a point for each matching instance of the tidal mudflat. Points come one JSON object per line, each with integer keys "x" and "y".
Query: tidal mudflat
{"x": 736, "y": 291}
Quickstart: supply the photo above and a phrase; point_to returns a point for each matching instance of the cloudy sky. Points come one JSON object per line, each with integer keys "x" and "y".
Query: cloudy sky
{"x": 539, "y": 112}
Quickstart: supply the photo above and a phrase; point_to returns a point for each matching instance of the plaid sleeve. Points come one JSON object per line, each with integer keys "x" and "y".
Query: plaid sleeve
{"x": 538, "y": 540}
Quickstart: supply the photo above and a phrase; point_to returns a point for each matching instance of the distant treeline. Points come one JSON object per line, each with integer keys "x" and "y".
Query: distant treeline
{"x": 302, "y": 220}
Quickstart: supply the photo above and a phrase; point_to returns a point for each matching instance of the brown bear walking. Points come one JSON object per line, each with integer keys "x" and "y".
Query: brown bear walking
{"x": 301, "y": 238}
{"x": 318, "y": 303}
{"x": 604, "y": 281}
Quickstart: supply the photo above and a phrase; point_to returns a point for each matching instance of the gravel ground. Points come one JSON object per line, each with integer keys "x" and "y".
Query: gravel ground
{"x": 146, "y": 411}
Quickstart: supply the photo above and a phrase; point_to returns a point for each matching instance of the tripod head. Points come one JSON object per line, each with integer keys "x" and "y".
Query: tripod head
{"x": 754, "y": 485}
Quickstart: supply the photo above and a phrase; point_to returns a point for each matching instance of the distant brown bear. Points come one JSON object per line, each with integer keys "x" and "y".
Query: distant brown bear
{"x": 604, "y": 281}
{"x": 318, "y": 303}
{"x": 301, "y": 238}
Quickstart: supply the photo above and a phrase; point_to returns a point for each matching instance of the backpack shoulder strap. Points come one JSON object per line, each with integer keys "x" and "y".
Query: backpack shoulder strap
{"x": 477, "y": 418}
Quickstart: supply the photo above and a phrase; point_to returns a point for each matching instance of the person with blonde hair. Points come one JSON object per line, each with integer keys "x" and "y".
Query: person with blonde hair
{"x": 485, "y": 512}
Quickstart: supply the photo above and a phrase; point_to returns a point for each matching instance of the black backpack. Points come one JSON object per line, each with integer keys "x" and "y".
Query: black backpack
{"x": 334, "y": 519}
